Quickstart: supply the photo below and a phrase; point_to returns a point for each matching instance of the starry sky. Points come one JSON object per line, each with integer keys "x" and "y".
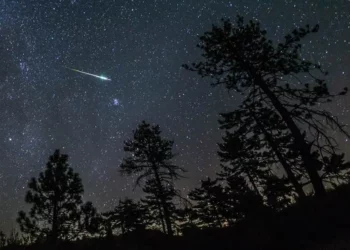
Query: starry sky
{"x": 140, "y": 45}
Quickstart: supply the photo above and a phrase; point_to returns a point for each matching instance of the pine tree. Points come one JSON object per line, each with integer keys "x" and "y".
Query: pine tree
{"x": 240, "y": 201}
{"x": 208, "y": 199}
{"x": 90, "y": 220}
{"x": 150, "y": 158}
{"x": 336, "y": 170}
{"x": 185, "y": 218}
{"x": 240, "y": 57}
{"x": 3, "y": 239}
{"x": 15, "y": 240}
{"x": 106, "y": 224}
{"x": 128, "y": 216}
{"x": 55, "y": 198}
{"x": 239, "y": 157}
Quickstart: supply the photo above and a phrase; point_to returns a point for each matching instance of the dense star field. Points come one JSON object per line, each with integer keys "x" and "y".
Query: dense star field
{"x": 141, "y": 46}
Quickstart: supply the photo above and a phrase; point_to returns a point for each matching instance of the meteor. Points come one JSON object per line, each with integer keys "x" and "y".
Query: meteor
{"x": 89, "y": 74}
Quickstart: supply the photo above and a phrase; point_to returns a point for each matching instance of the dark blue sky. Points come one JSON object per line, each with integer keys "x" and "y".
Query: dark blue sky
{"x": 140, "y": 45}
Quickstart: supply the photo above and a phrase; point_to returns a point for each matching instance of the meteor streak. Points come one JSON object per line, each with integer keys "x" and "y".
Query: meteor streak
{"x": 89, "y": 74}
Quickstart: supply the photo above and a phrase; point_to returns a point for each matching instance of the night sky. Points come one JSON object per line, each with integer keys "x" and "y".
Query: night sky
{"x": 140, "y": 45}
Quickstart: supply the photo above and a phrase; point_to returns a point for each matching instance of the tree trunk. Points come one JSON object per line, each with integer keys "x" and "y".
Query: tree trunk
{"x": 109, "y": 231}
{"x": 251, "y": 179}
{"x": 54, "y": 228}
{"x": 299, "y": 141}
{"x": 163, "y": 202}
{"x": 217, "y": 215}
{"x": 161, "y": 216}
{"x": 286, "y": 166}
{"x": 122, "y": 223}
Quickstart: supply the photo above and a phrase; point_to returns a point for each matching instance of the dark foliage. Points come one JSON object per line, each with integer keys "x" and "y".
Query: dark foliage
{"x": 3, "y": 240}
{"x": 256, "y": 142}
{"x": 208, "y": 201}
{"x": 153, "y": 204}
{"x": 128, "y": 216}
{"x": 277, "y": 192}
{"x": 314, "y": 224}
{"x": 90, "y": 220}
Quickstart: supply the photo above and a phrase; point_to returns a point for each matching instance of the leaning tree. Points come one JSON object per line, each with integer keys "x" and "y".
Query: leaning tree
{"x": 241, "y": 57}
{"x": 150, "y": 157}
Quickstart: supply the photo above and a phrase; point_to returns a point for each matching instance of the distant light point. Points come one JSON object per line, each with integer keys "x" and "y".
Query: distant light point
{"x": 116, "y": 102}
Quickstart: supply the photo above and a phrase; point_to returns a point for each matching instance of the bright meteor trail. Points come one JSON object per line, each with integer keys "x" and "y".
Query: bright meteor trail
{"x": 89, "y": 74}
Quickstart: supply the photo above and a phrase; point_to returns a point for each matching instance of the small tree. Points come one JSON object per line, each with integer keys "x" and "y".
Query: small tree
{"x": 128, "y": 216}
{"x": 15, "y": 240}
{"x": 186, "y": 219}
{"x": 90, "y": 220}
{"x": 239, "y": 157}
{"x": 335, "y": 170}
{"x": 3, "y": 239}
{"x": 239, "y": 200}
{"x": 55, "y": 198}
{"x": 208, "y": 201}
{"x": 107, "y": 224}
{"x": 150, "y": 158}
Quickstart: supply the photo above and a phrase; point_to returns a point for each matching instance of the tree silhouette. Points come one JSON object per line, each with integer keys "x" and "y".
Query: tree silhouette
{"x": 239, "y": 158}
{"x": 55, "y": 198}
{"x": 208, "y": 200}
{"x": 240, "y": 201}
{"x": 129, "y": 216}
{"x": 107, "y": 224}
{"x": 153, "y": 203}
{"x": 3, "y": 239}
{"x": 186, "y": 218}
{"x": 15, "y": 240}
{"x": 150, "y": 158}
{"x": 240, "y": 57}
{"x": 335, "y": 170}
{"x": 90, "y": 220}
